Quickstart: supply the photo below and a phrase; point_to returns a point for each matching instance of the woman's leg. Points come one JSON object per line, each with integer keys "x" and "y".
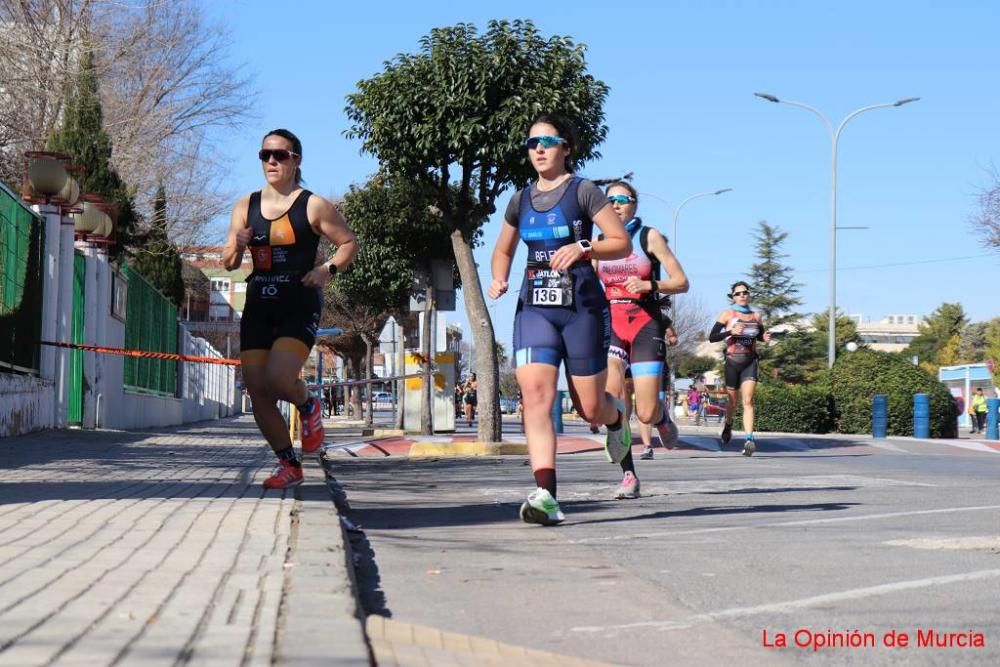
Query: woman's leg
{"x": 538, "y": 392}
{"x": 746, "y": 390}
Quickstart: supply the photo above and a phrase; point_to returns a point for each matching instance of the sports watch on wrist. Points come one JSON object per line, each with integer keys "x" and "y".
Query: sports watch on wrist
{"x": 332, "y": 268}
{"x": 586, "y": 247}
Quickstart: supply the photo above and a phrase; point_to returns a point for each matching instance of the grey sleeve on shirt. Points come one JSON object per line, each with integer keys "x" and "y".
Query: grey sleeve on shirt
{"x": 591, "y": 198}
{"x": 510, "y": 216}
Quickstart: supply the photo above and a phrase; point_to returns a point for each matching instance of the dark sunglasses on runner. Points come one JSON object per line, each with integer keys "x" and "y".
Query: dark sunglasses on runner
{"x": 621, "y": 199}
{"x": 545, "y": 140}
{"x": 279, "y": 154}
{"x": 741, "y": 293}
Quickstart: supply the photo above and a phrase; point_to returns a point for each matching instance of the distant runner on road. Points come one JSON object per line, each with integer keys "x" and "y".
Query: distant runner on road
{"x": 741, "y": 328}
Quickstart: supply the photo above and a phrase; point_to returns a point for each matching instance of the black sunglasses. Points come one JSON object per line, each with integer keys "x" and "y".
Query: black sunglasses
{"x": 741, "y": 293}
{"x": 279, "y": 154}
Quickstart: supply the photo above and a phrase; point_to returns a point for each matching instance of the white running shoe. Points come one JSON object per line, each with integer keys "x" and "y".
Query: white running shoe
{"x": 619, "y": 441}
{"x": 541, "y": 507}
{"x": 629, "y": 488}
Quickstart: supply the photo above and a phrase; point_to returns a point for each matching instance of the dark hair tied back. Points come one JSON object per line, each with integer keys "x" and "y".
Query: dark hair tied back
{"x": 296, "y": 147}
{"x": 566, "y": 131}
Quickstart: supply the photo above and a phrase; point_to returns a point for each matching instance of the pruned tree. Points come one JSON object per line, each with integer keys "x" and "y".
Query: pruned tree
{"x": 398, "y": 236}
{"x": 454, "y": 116}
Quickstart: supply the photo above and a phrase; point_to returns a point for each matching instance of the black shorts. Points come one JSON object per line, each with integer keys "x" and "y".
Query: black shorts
{"x": 739, "y": 369}
{"x": 637, "y": 339}
{"x": 279, "y": 307}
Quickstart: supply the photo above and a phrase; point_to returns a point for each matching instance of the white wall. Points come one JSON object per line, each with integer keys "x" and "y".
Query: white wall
{"x": 26, "y": 404}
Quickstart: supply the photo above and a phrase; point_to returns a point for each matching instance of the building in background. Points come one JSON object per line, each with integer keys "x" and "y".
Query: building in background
{"x": 890, "y": 334}
{"x": 217, "y": 319}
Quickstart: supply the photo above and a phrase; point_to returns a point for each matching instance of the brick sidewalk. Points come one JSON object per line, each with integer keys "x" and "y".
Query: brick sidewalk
{"x": 162, "y": 548}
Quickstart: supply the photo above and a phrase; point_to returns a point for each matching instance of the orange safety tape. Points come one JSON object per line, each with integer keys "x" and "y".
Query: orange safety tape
{"x": 168, "y": 356}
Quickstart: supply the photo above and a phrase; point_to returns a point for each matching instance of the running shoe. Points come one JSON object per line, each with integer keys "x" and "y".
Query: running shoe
{"x": 619, "y": 441}
{"x": 647, "y": 453}
{"x": 668, "y": 434}
{"x": 285, "y": 476}
{"x": 727, "y": 434}
{"x": 749, "y": 446}
{"x": 541, "y": 507}
{"x": 312, "y": 427}
{"x": 629, "y": 488}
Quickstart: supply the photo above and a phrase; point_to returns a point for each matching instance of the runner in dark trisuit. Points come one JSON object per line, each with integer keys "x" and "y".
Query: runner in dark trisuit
{"x": 632, "y": 286}
{"x": 741, "y": 328}
{"x": 282, "y": 225}
{"x": 562, "y": 314}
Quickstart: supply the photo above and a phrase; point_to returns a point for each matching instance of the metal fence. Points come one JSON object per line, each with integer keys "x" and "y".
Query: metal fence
{"x": 150, "y": 324}
{"x": 20, "y": 284}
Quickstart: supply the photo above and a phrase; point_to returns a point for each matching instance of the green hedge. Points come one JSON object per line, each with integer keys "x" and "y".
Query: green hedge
{"x": 790, "y": 409}
{"x": 858, "y": 376}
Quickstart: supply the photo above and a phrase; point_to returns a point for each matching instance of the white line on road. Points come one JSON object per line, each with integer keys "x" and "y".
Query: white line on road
{"x": 779, "y": 524}
{"x": 803, "y": 603}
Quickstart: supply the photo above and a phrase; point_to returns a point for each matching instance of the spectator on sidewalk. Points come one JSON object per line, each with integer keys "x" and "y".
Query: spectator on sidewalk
{"x": 281, "y": 225}
{"x": 977, "y": 410}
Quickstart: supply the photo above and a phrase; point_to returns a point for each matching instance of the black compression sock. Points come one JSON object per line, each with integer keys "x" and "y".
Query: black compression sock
{"x": 290, "y": 456}
{"x": 627, "y": 463}
{"x": 546, "y": 479}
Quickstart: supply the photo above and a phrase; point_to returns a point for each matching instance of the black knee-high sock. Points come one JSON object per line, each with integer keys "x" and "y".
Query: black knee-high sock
{"x": 289, "y": 455}
{"x": 546, "y": 478}
{"x": 628, "y": 464}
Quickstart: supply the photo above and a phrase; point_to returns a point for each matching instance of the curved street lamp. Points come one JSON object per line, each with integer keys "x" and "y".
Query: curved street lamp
{"x": 835, "y": 137}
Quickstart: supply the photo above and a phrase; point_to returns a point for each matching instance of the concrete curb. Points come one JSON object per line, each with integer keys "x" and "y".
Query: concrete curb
{"x": 321, "y": 595}
{"x": 382, "y": 432}
{"x": 466, "y": 449}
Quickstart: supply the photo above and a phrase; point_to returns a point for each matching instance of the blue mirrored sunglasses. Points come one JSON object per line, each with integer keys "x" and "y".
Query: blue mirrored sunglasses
{"x": 545, "y": 140}
{"x": 621, "y": 199}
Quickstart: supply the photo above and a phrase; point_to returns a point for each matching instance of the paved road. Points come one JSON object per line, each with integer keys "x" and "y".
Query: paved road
{"x": 811, "y": 536}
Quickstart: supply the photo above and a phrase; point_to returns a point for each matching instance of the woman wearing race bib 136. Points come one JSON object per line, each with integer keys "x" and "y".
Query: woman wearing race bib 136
{"x": 632, "y": 285}
{"x": 562, "y": 314}
{"x": 741, "y": 328}
{"x": 281, "y": 225}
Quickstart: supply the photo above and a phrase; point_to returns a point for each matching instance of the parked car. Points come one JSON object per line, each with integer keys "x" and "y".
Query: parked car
{"x": 508, "y": 406}
{"x": 382, "y": 397}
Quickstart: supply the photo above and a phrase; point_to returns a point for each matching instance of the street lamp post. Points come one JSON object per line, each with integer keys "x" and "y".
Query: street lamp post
{"x": 835, "y": 137}
{"x": 673, "y": 243}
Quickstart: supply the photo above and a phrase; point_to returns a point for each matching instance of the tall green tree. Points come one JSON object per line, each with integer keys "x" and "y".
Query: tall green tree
{"x": 454, "y": 116}
{"x": 936, "y": 331}
{"x": 775, "y": 292}
{"x": 156, "y": 258}
{"x": 83, "y": 137}
{"x": 972, "y": 346}
{"x": 801, "y": 355}
{"x": 992, "y": 351}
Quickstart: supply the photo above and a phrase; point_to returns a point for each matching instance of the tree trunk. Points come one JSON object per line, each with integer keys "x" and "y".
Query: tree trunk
{"x": 369, "y": 418}
{"x": 355, "y": 390}
{"x": 487, "y": 374}
{"x": 427, "y": 395}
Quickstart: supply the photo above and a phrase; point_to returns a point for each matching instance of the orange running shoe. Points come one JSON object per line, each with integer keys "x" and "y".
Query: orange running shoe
{"x": 285, "y": 476}
{"x": 312, "y": 427}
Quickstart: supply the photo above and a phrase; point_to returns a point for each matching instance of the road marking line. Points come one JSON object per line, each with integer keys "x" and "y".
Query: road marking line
{"x": 781, "y": 524}
{"x": 803, "y": 603}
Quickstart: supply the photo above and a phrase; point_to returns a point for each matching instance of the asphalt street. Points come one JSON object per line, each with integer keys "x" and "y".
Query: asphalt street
{"x": 827, "y": 545}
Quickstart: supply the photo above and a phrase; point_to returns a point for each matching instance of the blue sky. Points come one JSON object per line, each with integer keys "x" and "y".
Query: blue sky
{"x": 682, "y": 116}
